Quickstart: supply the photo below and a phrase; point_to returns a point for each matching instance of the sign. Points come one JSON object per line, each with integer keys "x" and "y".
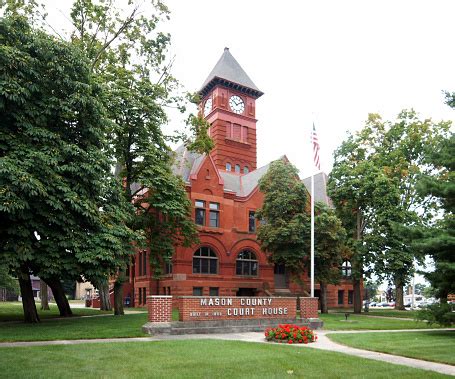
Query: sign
{"x": 201, "y": 308}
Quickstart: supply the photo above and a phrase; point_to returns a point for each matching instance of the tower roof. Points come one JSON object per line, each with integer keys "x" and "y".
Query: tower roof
{"x": 229, "y": 73}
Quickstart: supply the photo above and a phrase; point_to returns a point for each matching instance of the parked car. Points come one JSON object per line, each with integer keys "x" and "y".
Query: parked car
{"x": 392, "y": 304}
{"x": 408, "y": 305}
{"x": 383, "y": 304}
{"x": 373, "y": 304}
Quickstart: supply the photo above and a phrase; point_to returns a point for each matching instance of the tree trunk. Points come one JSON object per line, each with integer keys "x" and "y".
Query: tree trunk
{"x": 118, "y": 297}
{"x": 28, "y": 302}
{"x": 357, "y": 267}
{"x": 43, "y": 295}
{"x": 399, "y": 301}
{"x": 59, "y": 296}
{"x": 323, "y": 298}
{"x": 357, "y": 296}
{"x": 105, "y": 300}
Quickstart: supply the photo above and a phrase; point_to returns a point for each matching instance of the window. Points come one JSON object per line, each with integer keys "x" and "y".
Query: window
{"x": 214, "y": 215}
{"x": 244, "y": 134}
{"x": 346, "y": 269}
{"x": 236, "y": 132}
{"x": 205, "y": 261}
{"x": 142, "y": 295}
{"x": 168, "y": 267}
{"x": 350, "y": 297}
{"x": 214, "y": 291}
{"x": 228, "y": 166}
{"x": 251, "y": 222}
{"x": 340, "y": 297}
{"x": 197, "y": 291}
{"x": 246, "y": 170}
{"x": 237, "y": 168}
{"x": 200, "y": 212}
{"x": 246, "y": 264}
{"x": 140, "y": 266}
{"x": 144, "y": 263}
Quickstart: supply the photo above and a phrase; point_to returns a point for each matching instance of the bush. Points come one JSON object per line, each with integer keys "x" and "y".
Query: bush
{"x": 289, "y": 333}
{"x": 442, "y": 314}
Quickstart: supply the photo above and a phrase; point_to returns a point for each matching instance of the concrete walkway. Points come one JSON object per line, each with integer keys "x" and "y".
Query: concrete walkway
{"x": 323, "y": 343}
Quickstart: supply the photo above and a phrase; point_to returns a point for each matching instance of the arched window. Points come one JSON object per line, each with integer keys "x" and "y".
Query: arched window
{"x": 346, "y": 269}
{"x": 246, "y": 170}
{"x": 237, "y": 168}
{"x": 228, "y": 166}
{"x": 205, "y": 261}
{"x": 246, "y": 264}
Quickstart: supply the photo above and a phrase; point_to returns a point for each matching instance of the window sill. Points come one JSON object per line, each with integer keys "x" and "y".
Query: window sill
{"x": 232, "y": 141}
{"x": 207, "y": 229}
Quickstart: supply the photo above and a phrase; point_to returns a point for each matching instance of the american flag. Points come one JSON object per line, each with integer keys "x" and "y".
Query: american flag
{"x": 315, "y": 141}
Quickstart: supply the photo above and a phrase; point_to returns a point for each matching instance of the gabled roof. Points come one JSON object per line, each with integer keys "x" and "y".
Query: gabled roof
{"x": 243, "y": 185}
{"x": 229, "y": 73}
{"x": 187, "y": 163}
{"x": 320, "y": 188}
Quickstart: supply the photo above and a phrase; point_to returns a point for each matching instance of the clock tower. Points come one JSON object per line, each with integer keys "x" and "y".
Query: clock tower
{"x": 229, "y": 105}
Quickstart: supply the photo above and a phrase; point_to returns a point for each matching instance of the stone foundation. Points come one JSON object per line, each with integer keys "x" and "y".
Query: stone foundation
{"x": 223, "y": 326}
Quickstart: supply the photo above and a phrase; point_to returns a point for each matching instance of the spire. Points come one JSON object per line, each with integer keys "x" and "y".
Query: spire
{"x": 229, "y": 73}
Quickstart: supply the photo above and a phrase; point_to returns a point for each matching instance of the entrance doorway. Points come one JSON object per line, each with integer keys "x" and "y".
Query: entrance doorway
{"x": 281, "y": 280}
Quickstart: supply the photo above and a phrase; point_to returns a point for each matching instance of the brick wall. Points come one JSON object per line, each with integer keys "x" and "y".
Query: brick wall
{"x": 204, "y": 308}
{"x": 159, "y": 308}
{"x": 309, "y": 307}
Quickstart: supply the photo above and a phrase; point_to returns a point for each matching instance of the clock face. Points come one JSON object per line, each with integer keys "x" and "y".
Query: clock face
{"x": 208, "y": 107}
{"x": 237, "y": 105}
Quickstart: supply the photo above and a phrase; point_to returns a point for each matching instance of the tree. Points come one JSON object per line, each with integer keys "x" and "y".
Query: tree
{"x": 53, "y": 167}
{"x": 329, "y": 248}
{"x": 438, "y": 240}
{"x": 420, "y": 288}
{"x": 7, "y": 281}
{"x": 360, "y": 191}
{"x": 403, "y": 155}
{"x": 285, "y": 230}
{"x": 385, "y": 161}
{"x": 128, "y": 56}
{"x": 43, "y": 296}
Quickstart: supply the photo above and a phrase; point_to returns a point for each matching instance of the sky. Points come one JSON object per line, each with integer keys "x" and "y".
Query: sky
{"x": 326, "y": 62}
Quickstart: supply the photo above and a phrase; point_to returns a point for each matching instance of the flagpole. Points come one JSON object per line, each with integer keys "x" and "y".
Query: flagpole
{"x": 312, "y": 233}
{"x": 317, "y": 164}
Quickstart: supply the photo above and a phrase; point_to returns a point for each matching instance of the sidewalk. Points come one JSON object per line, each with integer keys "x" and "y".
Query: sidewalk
{"x": 323, "y": 343}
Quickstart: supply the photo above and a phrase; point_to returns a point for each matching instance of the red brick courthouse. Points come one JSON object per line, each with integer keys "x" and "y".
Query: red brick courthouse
{"x": 223, "y": 188}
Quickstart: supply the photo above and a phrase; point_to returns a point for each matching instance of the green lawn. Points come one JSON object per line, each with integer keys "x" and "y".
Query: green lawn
{"x": 437, "y": 346}
{"x": 108, "y": 326}
{"x": 12, "y": 311}
{"x": 379, "y": 312}
{"x": 391, "y": 313}
{"x": 193, "y": 359}
{"x": 336, "y": 321}
{"x": 75, "y": 328}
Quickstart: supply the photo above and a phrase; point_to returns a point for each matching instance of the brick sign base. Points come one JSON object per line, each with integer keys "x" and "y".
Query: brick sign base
{"x": 202, "y": 315}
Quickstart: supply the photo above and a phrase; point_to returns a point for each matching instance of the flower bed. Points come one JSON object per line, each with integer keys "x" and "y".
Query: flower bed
{"x": 289, "y": 333}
